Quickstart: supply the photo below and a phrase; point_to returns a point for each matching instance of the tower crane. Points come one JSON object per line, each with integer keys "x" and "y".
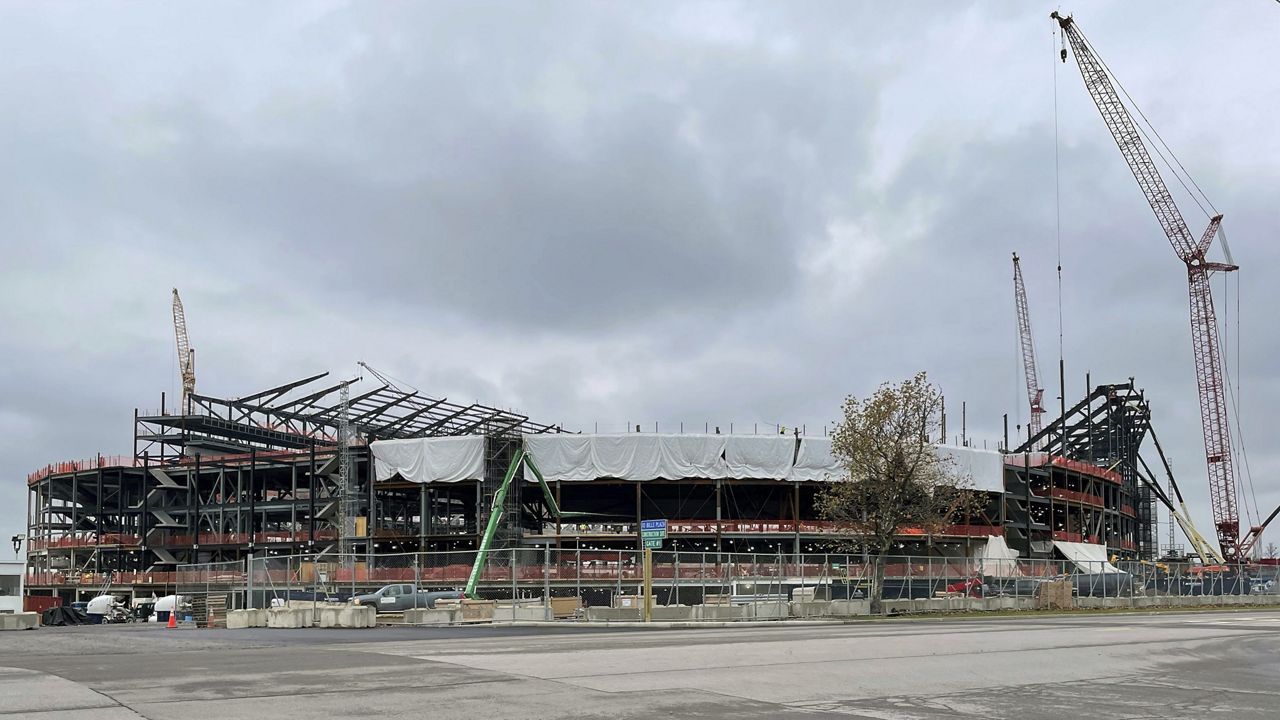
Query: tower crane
{"x": 186, "y": 355}
{"x": 1192, "y": 252}
{"x": 1035, "y": 393}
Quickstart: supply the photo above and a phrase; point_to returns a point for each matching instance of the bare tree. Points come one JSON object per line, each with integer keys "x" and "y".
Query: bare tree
{"x": 896, "y": 479}
{"x": 1272, "y": 550}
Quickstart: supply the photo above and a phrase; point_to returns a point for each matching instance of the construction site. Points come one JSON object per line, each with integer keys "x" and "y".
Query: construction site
{"x": 339, "y": 486}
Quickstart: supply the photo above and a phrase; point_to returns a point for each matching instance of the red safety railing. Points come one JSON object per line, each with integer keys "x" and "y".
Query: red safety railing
{"x": 695, "y": 527}
{"x": 1074, "y": 496}
{"x": 80, "y": 540}
{"x": 70, "y": 466}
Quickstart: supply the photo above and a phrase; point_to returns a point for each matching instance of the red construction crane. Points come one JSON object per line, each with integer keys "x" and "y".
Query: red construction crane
{"x": 1191, "y": 251}
{"x": 1035, "y": 393}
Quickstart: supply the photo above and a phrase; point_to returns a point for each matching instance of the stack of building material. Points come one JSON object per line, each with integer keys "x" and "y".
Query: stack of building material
{"x": 1054, "y": 595}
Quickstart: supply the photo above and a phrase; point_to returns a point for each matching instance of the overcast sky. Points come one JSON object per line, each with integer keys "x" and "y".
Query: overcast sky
{"x": 617, "y": 213}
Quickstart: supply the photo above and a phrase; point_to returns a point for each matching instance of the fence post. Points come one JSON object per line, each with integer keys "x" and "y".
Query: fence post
{"x": 675, "y": 578}
{"x": 546, "y": 576}
{"x": 248, "y": 601}
{"x": 513, "y": 583}
{"x": 618, "y": 574}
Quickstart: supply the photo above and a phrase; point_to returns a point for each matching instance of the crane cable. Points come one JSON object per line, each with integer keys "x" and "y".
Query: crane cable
{"x": 1238, "y": 447}
{"x": 1156, "y": 133}
{"x": 1057, "y": 190}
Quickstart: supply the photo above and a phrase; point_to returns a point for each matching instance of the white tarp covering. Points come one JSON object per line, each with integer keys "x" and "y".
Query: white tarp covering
{"x": 1088, "y": 557}
{"x": 653, "y": 456}
{"x": 759, "y": 456}
{"x": 997, "y": 559}
{"x": 984, "y": 467}
{"x": 632, "y": 456}
{"x": 815, "y": 463}
{"x": 430, "y": 460}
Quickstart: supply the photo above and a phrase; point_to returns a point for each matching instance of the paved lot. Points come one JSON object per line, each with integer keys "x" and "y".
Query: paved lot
{"x": 1146, "y": 666}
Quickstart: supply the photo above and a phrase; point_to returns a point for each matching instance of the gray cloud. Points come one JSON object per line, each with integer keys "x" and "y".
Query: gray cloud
{"x": 706, "y": 213}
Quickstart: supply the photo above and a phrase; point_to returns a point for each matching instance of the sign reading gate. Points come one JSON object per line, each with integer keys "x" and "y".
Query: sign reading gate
{"x": 653, "y": 532}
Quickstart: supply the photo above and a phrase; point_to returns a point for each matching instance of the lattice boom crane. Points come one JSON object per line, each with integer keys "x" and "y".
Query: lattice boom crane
{"x": 1035, "y": 393}
{"x": 1191, "y": 251}
{"x": 186, "y": 356}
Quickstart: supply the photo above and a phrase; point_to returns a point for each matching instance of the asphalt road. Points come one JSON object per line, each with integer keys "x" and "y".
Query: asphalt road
{"x": 1130, "y": 666}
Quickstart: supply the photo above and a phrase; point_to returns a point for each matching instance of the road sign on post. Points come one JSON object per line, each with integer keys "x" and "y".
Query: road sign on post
{"x": 652, "y": 533}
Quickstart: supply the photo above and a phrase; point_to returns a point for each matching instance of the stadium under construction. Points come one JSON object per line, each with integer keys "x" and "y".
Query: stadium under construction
{"x": 317, "y": 468}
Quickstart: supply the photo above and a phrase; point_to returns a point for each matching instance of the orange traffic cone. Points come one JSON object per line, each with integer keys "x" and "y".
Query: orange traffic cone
{"x": 173, "y": 618}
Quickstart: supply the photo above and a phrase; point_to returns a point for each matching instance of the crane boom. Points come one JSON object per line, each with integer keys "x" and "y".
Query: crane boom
{"x": 186, "y": 356}
{"x": 1035, "y": 393}
{"x": 1204, "y": 323}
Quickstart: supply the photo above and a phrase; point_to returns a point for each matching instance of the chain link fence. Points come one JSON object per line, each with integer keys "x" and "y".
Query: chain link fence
{"x": 583, "y": 579}
{"x": 210, "y": 590}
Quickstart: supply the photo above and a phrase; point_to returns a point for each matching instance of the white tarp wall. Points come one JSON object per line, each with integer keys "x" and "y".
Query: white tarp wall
{"x": 984, "y": 467}
{"x": 1088, "y": 557}
{"x": 430, "y": 460}
{"x": 997, "y": 559}
{"x": 652, "y": 456}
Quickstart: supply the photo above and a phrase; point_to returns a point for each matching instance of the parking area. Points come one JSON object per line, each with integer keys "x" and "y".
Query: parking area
{"x": 1148, "y": 665}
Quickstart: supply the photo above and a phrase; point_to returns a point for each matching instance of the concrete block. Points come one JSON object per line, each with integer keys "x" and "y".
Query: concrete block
{"x": 1004, "y": 603}
{"x": 768, "y": 610}
{"x": 288, "y": 618}
{"x": 719, "y": 612}
{"x": 507, "y": 613}
{"x": 810, "y": 608}
{"x": 606, "y": 614}
{"x": 19, "y": 621}
{"x": 895, "y": 607}
{"x": 436, "y": 616}
{"x": 850, "y": 608}
{"x": 343, "y": 616}
{"x": 240, "y": 619}
{"x": 672, "y": 612}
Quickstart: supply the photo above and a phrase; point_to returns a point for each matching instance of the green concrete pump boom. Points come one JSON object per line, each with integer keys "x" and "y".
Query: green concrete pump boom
{"x": 495, "y": 514}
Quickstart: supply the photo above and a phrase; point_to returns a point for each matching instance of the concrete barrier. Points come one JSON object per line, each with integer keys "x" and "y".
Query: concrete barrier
{"x": 810, "y": 608}
{"x": 240, "y": 619}
{"x": 19, "y": 621}
{"x": 850, "y": 608}
{"x": 537, "y": 613}
{"x": 719, "y": 612}
{"x": 434, "y": 616}
{"x": 672, "y": 612}
{"x": 288, "y": 618}
{"x": 768, "y": 610}
{"x": 345, "y": 616}
{"x": 606, "y": 614}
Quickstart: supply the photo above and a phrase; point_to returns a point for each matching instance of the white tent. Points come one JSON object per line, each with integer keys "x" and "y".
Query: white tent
{"x": 997, "y": 559}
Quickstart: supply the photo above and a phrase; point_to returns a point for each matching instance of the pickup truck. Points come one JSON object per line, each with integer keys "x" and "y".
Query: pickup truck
{"x": 400, "y": 597}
